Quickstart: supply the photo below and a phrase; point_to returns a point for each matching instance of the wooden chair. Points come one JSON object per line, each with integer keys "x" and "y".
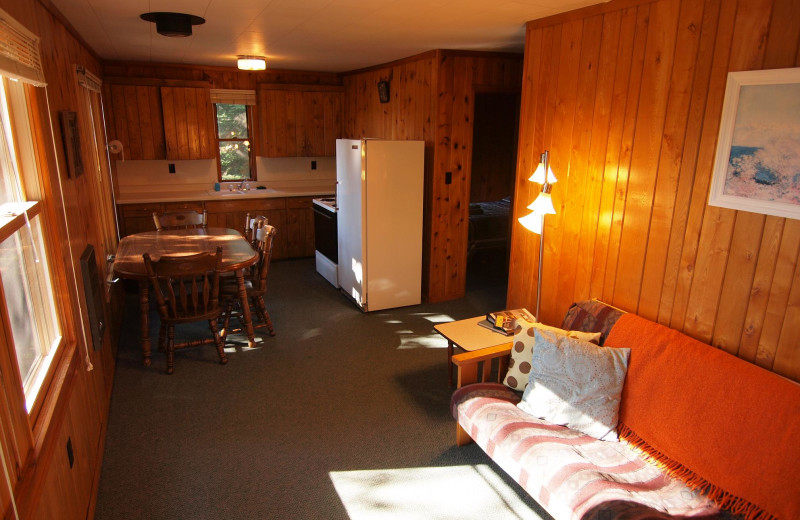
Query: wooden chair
{"x": 255, "y": 283}
{"x": 181, "y": 220}
{"x": 187, "y": 290}
{"x": 251, "y": 225}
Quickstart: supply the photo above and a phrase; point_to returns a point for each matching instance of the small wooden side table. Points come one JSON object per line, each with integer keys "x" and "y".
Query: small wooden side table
{"x": 468, "y": 335}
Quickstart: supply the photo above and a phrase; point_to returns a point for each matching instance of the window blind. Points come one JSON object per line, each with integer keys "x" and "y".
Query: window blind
{"x": 19, "y": 52}
{"x": 233, "y": 97}
{"x": 88, "y": 80}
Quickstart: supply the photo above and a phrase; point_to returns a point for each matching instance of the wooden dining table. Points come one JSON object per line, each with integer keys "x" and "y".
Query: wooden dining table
{"x": 236, "y": 256}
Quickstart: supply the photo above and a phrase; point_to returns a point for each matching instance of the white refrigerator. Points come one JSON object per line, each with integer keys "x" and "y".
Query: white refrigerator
{"x": 379, "y": 197}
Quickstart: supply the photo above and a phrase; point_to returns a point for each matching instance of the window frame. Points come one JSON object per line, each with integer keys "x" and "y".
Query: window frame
{"x": 249, "y": 139}
{"x": 26, "y": 151}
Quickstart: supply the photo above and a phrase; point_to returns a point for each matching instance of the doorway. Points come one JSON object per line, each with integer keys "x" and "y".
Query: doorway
{"x": 493, "y": 176}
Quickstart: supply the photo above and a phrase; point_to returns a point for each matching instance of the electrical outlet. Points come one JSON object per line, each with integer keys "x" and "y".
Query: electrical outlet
{"x": 448, "y": 177}
{"x": 171, "y": 167}
{"x": 313, "y": 165}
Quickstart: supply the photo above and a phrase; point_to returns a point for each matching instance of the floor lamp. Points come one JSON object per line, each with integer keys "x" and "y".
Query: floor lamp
{"x": 541, "y": 206}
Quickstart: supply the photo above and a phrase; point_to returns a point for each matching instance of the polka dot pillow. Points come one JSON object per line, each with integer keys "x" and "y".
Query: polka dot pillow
{"x": 519, "y": 366}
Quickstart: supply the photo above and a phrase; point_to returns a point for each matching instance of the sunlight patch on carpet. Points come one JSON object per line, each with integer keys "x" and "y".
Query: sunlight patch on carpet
{"x": 456, "y": 492}
{"x": 237, "y": 342}
{"x": 437, "y": 318}
{"x": 433, "y": 341}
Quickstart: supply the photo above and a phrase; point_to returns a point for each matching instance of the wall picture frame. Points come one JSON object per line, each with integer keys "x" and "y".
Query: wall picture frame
{"x": 70, "y": 134}
{"x": 757, "y": 163}
{"x": 383, "y": 91}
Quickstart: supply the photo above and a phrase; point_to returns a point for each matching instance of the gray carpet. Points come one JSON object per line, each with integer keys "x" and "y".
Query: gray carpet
{"x": 341, "y": 415}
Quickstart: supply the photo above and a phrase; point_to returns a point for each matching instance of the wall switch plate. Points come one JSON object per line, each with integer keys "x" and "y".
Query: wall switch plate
{"x": 448, "y": 177}
{"x": 313, "y": 165}
{"x": 171, "y": 167}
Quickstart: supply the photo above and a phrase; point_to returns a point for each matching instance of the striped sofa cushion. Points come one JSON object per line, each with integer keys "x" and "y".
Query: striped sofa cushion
{"x": 570, "y": 474}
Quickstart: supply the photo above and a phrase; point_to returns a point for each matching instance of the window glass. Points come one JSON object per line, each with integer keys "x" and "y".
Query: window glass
{"x": 232, "y": 121}
{"x": 233, "y": 134}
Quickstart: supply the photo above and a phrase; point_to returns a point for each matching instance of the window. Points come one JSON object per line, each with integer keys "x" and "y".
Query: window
{"x": 233, "y": 113}
{"x": 24, "y": 274}
{"x": 233, "y": 135}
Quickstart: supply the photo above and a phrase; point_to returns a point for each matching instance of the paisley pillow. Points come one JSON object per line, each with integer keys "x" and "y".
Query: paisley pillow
{"x": 576, "y": 384}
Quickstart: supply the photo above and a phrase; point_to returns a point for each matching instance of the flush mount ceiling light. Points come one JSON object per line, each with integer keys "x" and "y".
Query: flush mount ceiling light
{"x": 173, "y": 24}
{"x": 251, "y": 62}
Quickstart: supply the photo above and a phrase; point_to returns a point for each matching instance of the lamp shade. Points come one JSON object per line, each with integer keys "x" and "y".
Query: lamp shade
{"x": 538, "y": 175}
{"x": 543, "y": 205}
{"x": 251, "y": 63}
{"x": 532, "y": 222}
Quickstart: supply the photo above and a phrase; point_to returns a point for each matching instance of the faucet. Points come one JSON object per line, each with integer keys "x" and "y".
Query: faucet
{"x": 243, "y": 186}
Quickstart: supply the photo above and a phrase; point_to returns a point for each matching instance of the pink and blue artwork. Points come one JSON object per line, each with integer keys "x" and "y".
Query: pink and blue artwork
{"x": 764, "y": 160}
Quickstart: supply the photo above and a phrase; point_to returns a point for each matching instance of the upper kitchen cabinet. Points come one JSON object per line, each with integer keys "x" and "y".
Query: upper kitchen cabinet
{"x": 299, "y": 121}
{"x": 155, "y": 122}
{"x": 136, "y": 120}
{"x": 188, "y": 123}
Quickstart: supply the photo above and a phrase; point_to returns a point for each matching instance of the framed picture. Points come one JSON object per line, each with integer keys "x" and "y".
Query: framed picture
{"x": 383, "y": 91}
{"x": 757, "y": 166}
{"x": 72, "y": 142}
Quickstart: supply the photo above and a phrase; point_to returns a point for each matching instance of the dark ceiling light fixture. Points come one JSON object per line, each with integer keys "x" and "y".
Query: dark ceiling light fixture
{"x": 173, "y": 24}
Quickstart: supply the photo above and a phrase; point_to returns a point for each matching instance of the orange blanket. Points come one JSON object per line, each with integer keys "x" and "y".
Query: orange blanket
{"x": 721, "y": 424}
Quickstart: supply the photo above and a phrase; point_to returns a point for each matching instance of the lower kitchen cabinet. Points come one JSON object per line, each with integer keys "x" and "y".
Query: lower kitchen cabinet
{"x": 137, "y": 218}
{"x": 232, "y": 213}
{"x": 292, "y": 217}
{"x": 300, "y": 227}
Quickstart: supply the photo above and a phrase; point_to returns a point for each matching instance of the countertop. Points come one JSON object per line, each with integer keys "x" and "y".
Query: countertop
{"x": 193, "y": 193}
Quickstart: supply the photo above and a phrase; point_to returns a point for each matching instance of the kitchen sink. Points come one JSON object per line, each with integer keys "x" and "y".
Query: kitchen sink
{"x": 238, "y": 193}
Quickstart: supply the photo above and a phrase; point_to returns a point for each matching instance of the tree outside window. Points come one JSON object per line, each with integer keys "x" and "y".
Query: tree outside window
{"x": 233, "y": 135}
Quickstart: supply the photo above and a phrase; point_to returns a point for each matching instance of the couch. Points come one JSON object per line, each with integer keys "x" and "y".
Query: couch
{"x": 701, "y": 432}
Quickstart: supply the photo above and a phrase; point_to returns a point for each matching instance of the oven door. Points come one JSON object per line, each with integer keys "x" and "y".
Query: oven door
{"x": 325, "y": 233}
{"x": 326, "y": 243}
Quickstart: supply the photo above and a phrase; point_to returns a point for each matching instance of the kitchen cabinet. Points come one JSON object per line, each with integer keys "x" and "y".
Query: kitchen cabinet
{"x": 152, "y": 122}
{"x": 189, "y": 128}
{"x": 300, "y": 226}
{"x": 231, "y": 214}
{"x": 292, "y": 217}
{"x": 301, "y": 121}
{"x": 137, "y": 218}
{"x": 136, "y": 120}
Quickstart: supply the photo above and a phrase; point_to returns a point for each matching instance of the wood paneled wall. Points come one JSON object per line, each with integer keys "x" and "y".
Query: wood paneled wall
{"x": 627, "y": 96}
{"x": 77, "y": 403}
{"x": 459, "y": 75}
{"x": 431, "y": 98}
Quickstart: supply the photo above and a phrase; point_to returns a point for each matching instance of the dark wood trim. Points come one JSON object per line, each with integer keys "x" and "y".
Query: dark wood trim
{"x": 586, "y": 12}
{"x": 481, "y": 54}
{"x": 334, "y": 76}
{"x": 156, "y": 82}
{"x": 438, "y": 54}
{"x": 300, "y": 86}
{"x": 417, "y": 57}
